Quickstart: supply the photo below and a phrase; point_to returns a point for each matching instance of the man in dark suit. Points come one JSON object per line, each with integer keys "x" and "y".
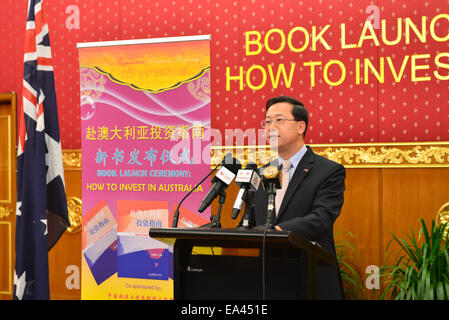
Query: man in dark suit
{"x": 312, "y": 193}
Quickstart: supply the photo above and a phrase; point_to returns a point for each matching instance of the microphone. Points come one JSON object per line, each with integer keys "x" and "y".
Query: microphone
{"x": 176, "y": 214}
{"x": 248, "y": 180}
{"x": 271, "y": 181}
{"x": 223, "y": 178}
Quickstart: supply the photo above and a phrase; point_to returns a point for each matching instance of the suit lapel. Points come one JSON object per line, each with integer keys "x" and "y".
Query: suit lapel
{"x": 301, "y": 171}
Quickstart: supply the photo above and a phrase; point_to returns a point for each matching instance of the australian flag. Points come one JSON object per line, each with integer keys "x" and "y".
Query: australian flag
{"x": 41, "y": 213}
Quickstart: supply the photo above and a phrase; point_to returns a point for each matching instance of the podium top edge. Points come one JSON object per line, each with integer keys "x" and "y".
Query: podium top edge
{"x": 237, "y": 235}
{"x": 187, "y": 232}
{"x": 204, "y": 233}
{"x": 81, "y": 45}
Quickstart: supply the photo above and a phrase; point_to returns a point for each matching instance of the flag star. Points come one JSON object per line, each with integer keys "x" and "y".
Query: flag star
{"x": 18, "y": 206}
{"x": 20, "y": 284}
{"x": 44, "y": 221}
{"x": 53, "y": 159}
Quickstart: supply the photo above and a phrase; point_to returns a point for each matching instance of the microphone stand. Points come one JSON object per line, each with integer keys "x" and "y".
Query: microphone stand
{"x": 247, "y": 220}
{"x": 271, "y": 208}
{"x": 215, "y": 219}
{"x": 271, "y": 190}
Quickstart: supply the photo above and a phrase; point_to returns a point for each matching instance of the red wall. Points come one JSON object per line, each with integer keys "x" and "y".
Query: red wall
{"x": 375, "y": 112}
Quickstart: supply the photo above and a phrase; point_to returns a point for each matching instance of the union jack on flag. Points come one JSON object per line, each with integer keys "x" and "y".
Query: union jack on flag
{"x": 41, "y": 213}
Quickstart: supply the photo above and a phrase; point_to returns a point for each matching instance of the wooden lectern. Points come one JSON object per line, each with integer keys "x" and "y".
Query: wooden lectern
{"x": 291, "y": 264}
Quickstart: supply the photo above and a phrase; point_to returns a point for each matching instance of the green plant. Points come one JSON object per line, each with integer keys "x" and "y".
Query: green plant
{"x": 421, "y": 271}
{"x": 351, "y": 277}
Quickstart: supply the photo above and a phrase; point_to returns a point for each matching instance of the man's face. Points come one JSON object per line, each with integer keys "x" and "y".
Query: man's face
{"x": 287, "y": 134}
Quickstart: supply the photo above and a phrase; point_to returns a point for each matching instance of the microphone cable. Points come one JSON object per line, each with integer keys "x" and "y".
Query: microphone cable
{"x": 263, "y": 263}
{"x": 267, "y": 224}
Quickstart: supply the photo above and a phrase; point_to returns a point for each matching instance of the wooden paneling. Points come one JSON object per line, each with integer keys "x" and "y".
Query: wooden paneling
{"x": 7, "y": 191}
{"x": 411, "y": 194}
{"x": 6, "y": 272}
{"x": 361, "y": 214}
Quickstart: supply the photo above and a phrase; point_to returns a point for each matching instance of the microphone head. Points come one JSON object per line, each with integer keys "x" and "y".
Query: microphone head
{"x": 271, "y": 175}
{"x": 229, "y": 168}
{"x": 222, "y": 179}
{"x": 255, "y": 179}
{"x": 270, "y": 172}
{"x": 231, "y": 163}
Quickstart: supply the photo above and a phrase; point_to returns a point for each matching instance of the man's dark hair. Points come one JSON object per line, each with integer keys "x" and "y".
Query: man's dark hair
{"x": 299, "y": 112}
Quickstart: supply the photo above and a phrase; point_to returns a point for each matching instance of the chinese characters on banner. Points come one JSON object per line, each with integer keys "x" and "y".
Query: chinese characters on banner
{"x": 145, "y": 110}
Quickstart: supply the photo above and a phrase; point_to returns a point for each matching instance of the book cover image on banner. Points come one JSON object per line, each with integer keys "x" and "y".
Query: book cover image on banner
{"x": 145, "y": 128}
{"x": 99, "y": 242}
{"x": 138, "y": 255}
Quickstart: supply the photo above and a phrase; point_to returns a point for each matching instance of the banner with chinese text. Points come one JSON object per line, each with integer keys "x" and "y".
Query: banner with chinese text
{"x": 145, "y": 122}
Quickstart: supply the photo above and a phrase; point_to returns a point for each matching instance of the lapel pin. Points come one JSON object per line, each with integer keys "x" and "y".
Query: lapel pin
{"x": 306, "y": 170}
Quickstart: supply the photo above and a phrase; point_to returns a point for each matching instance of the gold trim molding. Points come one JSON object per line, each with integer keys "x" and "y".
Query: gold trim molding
{"x": 71, "y": 159}
{"x": 351, "y": 155}
{"x": 5, "y": 212}
{"x": 391, "y": 155}
{"x": 443, "y": 216}
{"x": 74, "y": 206}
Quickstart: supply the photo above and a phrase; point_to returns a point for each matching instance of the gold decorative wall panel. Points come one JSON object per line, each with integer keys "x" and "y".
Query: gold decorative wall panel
{"x": 353, "y": 155}
{"x": 390, "y": 155}
{"x": 443, "y": 216}
{"x": 71, "y": 159}
{"x": 75, "y": 214}
{"x": 5, "y": 212}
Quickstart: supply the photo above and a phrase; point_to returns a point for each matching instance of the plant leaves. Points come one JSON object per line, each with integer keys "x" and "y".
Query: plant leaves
{"x": 421, "y": 268}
